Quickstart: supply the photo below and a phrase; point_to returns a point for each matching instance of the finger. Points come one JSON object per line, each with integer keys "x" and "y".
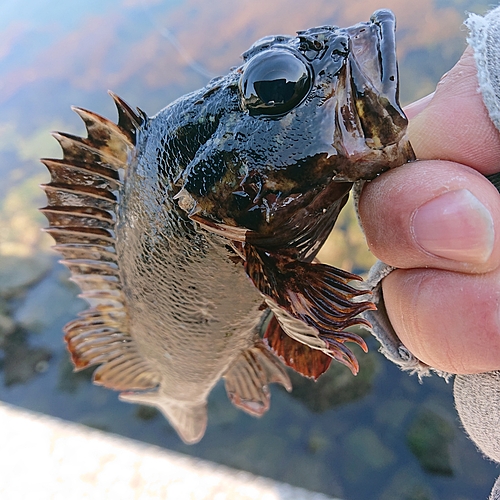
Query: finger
{"x": 455, "y": 125}
{"x": 448, "y": 320}
{"x": 433, "y": 214}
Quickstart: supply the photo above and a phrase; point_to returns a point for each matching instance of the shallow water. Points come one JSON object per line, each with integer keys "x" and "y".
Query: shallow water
{"x": 381, "y": 435}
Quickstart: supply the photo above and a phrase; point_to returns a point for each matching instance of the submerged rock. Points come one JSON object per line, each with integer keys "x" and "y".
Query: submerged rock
{"x": 69, "y": 380}
{"x": 17, "y": 274}
{"x": 144, "y": 412}
{"x": 337, "y": 386}
{"x": 46, "y": 302}
{"x": 21, "y": 361}
{"x": 408, "y": 484}
{"x": 367, "y": 448}
{"x": 429, "y": 438}
{"x": 7, "y": 326}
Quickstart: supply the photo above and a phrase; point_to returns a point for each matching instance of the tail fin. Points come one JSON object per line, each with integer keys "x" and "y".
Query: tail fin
{"x": 189, "y": 420}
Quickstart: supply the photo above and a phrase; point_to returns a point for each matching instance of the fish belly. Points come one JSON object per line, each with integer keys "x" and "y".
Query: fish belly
{"x": 191, "y": 308}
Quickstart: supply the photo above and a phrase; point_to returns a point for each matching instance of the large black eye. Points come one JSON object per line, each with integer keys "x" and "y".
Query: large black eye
{"x": 274, "y": 82}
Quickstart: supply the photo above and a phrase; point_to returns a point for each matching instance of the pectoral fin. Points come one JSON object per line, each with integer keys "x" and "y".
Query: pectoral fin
{"x": 189, "y": 420}
{"x": 248, "y": 377}
{"x": 317, "y": 295}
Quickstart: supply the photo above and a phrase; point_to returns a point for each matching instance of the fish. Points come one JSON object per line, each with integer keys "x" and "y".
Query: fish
{"x": 193, "y": 234}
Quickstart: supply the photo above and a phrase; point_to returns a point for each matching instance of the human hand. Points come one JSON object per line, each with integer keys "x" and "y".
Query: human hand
{"x": 438, "y": 221}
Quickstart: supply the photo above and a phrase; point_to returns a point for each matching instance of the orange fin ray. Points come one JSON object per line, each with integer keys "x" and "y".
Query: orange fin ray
{"x": 78, "y": 251}
{"x": 341, "y": 353}
{"x": 128, "y": 120}
{"x": 77, "y": 173}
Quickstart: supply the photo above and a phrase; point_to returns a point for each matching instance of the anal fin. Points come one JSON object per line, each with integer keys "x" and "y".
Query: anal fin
{"x": 248, "y": 377}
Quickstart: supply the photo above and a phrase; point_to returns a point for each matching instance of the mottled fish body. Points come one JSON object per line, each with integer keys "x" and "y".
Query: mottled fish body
{"x": 193, "y": 233}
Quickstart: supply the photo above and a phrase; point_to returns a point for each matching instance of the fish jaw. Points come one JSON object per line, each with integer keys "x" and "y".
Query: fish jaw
{"x": 370, "y": 125}
{"x": 187, "y": 418}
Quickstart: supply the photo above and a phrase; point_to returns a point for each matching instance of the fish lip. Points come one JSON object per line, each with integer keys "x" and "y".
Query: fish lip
{"x": 385, "y": 21}
{"x": 374, "y": 80}
{"x": 373, "y": 50}
{"x": 373, "y": 135}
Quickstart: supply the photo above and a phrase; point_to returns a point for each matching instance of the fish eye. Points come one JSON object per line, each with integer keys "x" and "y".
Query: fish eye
{"x": 274, "y": 82}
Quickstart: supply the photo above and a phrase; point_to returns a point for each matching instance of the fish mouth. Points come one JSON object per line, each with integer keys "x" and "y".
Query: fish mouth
{"x": 372, "y": 93}
{"x": 375, "y": 79}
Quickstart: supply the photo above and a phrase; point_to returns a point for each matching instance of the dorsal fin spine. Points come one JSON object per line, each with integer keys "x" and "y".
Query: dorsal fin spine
{"x": 128, "y": 119}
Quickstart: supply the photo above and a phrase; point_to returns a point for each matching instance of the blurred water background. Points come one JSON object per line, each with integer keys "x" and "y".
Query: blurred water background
{"x": 381, "y": 435}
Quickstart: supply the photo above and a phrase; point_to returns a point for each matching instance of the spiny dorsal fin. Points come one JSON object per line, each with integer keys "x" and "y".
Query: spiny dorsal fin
{"x": 81, "y": 210}
{"x": 128, "y": 120}
{"x": 248, "y": 378}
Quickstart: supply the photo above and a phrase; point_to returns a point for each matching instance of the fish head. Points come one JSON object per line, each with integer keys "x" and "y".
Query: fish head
{"x": 309, "y": 115}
